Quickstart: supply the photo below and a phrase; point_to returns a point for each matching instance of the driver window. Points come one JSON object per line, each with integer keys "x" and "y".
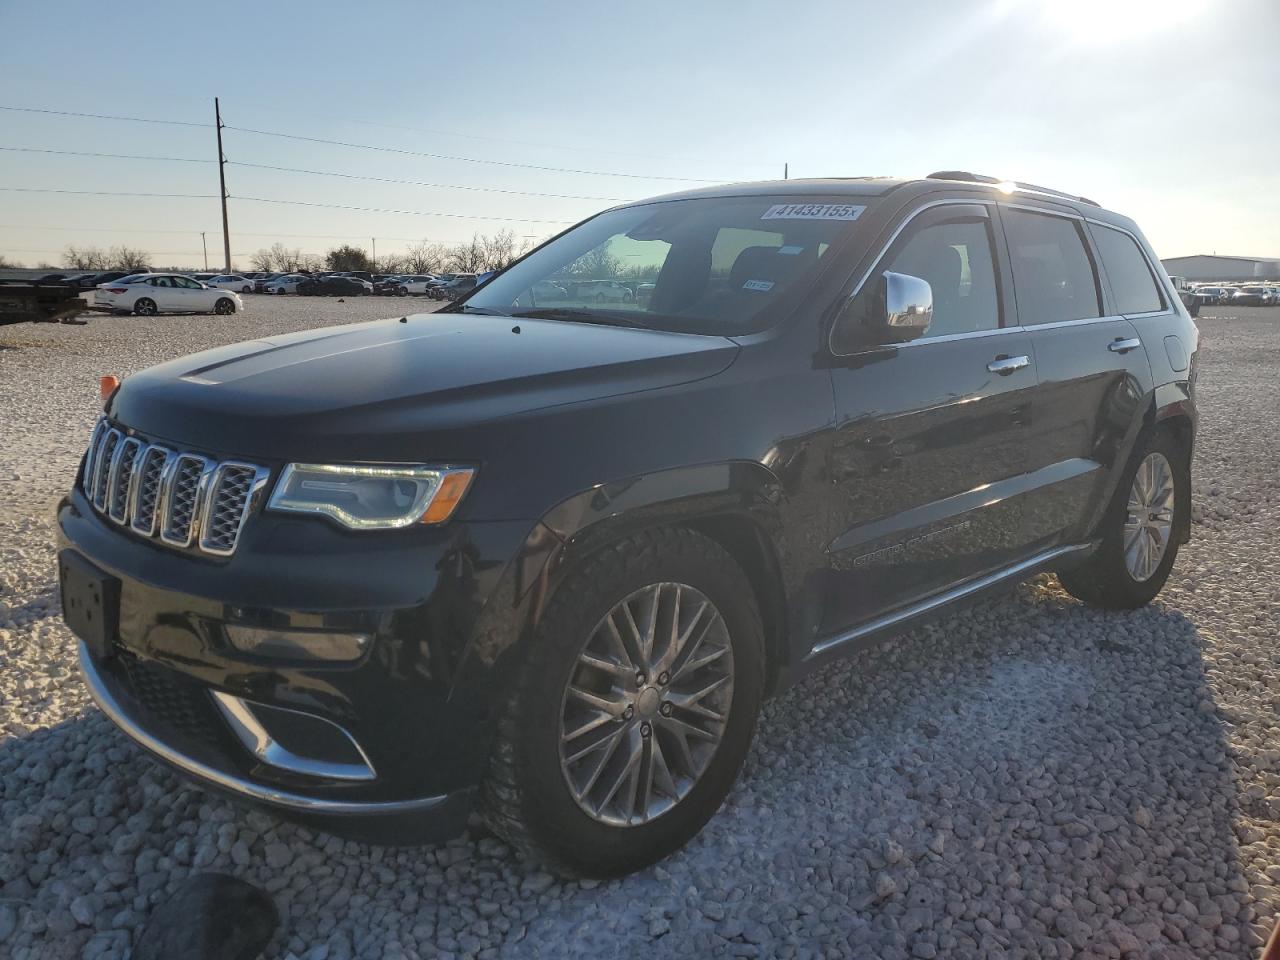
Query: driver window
{"x": 955, "y": 259}
{"x": 162, "y": 282}
{"x": 184, "y": 282}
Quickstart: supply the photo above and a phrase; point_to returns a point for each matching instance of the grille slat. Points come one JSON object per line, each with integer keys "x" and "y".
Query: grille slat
{"x": 183, "y": 498}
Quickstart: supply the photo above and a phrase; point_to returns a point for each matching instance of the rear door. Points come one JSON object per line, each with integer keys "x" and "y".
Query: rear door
{"x": 1093, "y": 370}
{"x": 931, "y": 438}
{"x": 163, "y": 292}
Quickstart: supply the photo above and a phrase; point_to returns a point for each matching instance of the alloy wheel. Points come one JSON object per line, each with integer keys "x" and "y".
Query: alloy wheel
{"x": 1149, "y": 520}
{"x": 646, "y": 706}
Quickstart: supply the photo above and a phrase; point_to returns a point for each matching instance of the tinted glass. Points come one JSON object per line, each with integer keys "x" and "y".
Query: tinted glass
{"x": 186, "y": 282}
{"x": 1052, "y": 275}
{"x": 714, "y": 265}
{"x": 955, "y": 258}
{"x": 1131, "y": 281}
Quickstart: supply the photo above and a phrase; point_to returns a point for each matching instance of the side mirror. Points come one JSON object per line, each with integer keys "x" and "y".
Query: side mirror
{"x": 904, "y": 308}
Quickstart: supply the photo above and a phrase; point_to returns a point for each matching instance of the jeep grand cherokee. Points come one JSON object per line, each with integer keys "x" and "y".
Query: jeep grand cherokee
{"x": 545, "y": 555}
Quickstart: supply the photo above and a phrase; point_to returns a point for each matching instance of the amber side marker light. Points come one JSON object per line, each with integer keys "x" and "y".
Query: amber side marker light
{"x": 106, "y": 387}
{"x": 452, "y": 489}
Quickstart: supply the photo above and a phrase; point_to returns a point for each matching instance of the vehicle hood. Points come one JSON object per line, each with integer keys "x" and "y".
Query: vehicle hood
{"x": 364, "y": 390}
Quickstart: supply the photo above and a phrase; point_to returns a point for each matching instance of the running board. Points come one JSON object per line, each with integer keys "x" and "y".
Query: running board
{"x": 922, "y": 608}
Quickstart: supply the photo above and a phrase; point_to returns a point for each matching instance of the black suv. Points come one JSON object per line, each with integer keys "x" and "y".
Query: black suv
{"x": 546, "y": 556}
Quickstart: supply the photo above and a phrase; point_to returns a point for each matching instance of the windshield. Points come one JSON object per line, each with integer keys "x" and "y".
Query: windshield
{"x": 712, "y": 265}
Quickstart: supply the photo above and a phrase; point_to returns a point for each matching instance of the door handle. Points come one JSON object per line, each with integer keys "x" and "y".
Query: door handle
{"x": 1005, "y": 365}
{"x": 1124, "y": 344}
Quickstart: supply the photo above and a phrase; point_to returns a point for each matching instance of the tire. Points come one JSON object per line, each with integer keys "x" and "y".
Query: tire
{"x": 144, "y": 307}
{"x": 1107, "y": 579}
{"x": 246, "y": 289}
{"x": 526, "y": 797}
{"x": 224, "y": 306}
{"x": 402, "y": 291}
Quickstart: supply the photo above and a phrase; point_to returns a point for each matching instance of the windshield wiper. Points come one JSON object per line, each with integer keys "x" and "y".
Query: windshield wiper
{"x": 583, "y": 316}
{"x": 467, "y": 308}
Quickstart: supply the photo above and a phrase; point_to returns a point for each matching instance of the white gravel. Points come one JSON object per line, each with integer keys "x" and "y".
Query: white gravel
{"x": 1030, "y": 778}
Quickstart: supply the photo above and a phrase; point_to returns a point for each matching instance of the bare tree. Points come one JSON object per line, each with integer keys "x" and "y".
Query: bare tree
{"x": 86, "y": 258}
{"x": 502, "y": 250}
{"x": 279, "y": 259}
{"x": 597, "y": 264}
{"x": 127, "y": 258}
{"x": 468, "y": 257}
{"x": 426, "y": 257}
{"x": 6, "y": 263}
{"x": 391, "y": 263}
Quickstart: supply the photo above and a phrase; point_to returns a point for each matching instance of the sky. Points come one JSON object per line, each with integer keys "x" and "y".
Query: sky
{"x": 1164, "y": 110}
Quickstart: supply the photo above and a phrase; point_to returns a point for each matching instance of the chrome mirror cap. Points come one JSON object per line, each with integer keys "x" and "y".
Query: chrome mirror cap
{"x": 908, "y": 305}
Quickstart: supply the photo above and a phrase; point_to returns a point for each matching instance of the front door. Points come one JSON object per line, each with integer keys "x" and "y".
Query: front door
{"x": 929, "y": 455}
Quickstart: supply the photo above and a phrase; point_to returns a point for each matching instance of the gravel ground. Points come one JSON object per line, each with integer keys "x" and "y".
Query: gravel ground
{"x": 1029, "y": 778}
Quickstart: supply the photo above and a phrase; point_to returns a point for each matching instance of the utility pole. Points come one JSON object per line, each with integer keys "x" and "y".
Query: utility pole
{"x": 205, "y": 247}
{"x": 375, "y": 252}
{"x": 222, "y": 182}
{"x": 786, "y": 171}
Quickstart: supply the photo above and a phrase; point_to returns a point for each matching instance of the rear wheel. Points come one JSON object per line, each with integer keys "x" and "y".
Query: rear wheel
{"x": 634, "y": 713}
{"x": 144, "y": 307}
{"x": 224, "y": 306}
{"x": 246, "y": 289}
{"x": 1140, "y": 530}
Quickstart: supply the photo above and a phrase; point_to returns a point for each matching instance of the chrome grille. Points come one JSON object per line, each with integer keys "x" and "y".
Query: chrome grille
{"x": 183, "y": 498}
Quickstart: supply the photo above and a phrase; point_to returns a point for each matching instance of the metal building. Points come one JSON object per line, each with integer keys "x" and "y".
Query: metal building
{"x": 1206, "y": 266}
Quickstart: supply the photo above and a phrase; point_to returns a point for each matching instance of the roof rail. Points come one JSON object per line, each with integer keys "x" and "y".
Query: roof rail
{"x": 967, "y": 177}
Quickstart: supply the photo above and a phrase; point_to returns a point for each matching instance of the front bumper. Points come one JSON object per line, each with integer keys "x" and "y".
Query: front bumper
{"x": 417, "y": 703}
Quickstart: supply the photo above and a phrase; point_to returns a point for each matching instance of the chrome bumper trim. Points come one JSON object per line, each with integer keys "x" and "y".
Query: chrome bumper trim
{"x": 254, "y": 791}
{"x": 258, "y": 741}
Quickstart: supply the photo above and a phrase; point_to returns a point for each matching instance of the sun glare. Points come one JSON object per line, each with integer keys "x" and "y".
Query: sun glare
{"x": 1116, "y": 21}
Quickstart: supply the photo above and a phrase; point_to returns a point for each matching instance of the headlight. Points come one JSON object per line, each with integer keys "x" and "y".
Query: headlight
{"x": 372, "y": 498}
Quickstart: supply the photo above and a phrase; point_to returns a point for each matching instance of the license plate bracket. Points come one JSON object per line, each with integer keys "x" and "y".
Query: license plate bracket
{"x": 90, "y": 602}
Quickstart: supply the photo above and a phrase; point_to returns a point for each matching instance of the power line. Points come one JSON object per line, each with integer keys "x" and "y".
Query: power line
{"x": 365, "y": 146}
{"x": 446, "y": 156}
{"x": 105, "y": 116}
{"x": 415, "y": 213}
{"x": 354, "y": 235}
{"x": 113, "y": 156}
{"x": 421, "y": 183}
{"x": 436, "y": 131}
{"x": 111, "y": 193}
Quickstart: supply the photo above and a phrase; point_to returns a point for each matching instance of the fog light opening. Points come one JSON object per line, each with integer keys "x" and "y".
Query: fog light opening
{"x": 297, "y": 644}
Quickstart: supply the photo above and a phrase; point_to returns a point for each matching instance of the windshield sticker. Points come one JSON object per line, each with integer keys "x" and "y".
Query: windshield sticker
{"x": 791, "y": 251}
{"x": 813, "y": 211}
{"x": 758, "y": 285}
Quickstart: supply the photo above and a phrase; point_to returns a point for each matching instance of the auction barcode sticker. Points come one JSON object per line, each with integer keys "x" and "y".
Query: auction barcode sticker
{"x": 813, "y": 211}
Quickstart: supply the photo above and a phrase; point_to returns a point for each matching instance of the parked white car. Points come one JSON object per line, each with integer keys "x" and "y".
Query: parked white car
{"x": 285, "y": 284}
{"x": 414, "y": 284}
{"x": 152, "y": 293}
{"x": 231, "y": 281}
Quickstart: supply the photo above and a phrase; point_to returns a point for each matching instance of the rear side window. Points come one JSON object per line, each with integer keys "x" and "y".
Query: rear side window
{"x": 1053, "y": 278}
{"x": 1127, "y": 270}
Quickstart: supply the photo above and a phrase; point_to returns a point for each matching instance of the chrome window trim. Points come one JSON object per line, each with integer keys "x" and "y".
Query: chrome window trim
{"x": 880, "y": 255}
{"x": 258, "y": 741}
{"x": 116, "y": 713}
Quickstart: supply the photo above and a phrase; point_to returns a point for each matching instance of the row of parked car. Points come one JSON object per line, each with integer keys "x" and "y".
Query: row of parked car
{"x": 1237, "y": 295}
{"x": 438, "y": 286}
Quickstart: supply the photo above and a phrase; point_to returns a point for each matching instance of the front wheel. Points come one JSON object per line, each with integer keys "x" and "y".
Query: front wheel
{"x": 634, "y": 710}
{"x": 246, "y": 289}
{"x": 1139, "y": 531}
{"x": 224, "y": 306}
{"x": 144, "y": 307}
